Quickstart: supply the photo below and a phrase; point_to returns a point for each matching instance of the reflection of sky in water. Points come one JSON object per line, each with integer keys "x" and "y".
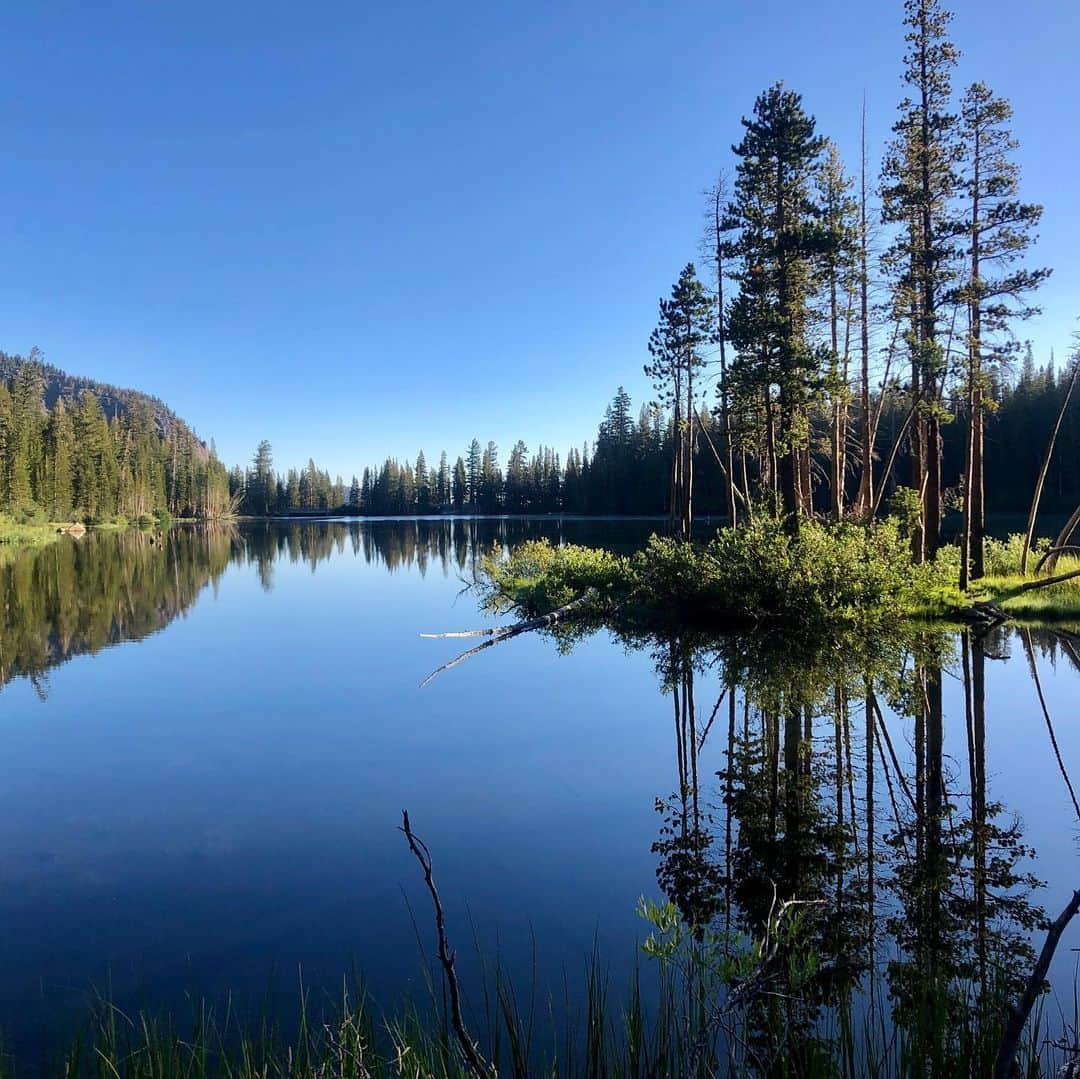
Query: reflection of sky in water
{"x": 219, "y": 801}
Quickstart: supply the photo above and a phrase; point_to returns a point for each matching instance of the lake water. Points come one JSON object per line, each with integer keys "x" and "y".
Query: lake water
{"x": 209, "y": 738}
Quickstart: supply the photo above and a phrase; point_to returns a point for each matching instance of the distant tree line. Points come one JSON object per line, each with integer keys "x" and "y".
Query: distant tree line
{"x": 72, "y": 461}
{"x": 626, "y": 469}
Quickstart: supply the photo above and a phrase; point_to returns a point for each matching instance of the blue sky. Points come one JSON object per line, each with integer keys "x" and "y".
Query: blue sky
{"x": 358, "y": 229}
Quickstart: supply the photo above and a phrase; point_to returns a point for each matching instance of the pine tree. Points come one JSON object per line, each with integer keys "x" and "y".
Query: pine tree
{"x": 920, "y": 182}
{"x": 782, "y": 243}
{"x": 999, "y": 233}
{"x": 676, "y": 347}
{"x": 839, "y": 212}
{"x": 473, "y": 468}
{"x": 461, "y": 486}
{"x": 60, "y": 441}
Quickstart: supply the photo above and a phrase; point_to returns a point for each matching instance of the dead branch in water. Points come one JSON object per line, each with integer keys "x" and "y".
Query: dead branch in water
{"x": 1019, "y": 1012}
{"x": 469, "y": 1051}
{"x": 498, "y": 634}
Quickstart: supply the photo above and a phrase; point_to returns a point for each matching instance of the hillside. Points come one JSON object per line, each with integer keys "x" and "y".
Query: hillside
{"x": 75, "y": 448}
{"x": 114, "y": 400}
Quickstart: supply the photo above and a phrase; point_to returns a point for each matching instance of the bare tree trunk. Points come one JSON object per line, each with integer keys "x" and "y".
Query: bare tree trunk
{"x": 1040, "y": 483}
{"x": 725, "y": 410}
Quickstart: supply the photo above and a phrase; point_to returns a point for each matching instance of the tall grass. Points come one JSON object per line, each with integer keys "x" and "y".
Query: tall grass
{"x": 639, "y": 1032}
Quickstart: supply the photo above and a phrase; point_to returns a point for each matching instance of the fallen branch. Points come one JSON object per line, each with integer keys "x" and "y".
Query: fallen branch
{"x": 1019, "y": 1012}
{"x": 498, "y": 634}
{"x": 1045, "y": 582}
{"x": 1054, "y": 553}
{"x": 469, "y": 1052}
{"x": 1063, "y": 537}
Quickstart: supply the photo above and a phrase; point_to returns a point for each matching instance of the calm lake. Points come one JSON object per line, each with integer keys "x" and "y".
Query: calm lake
{"x": 209, "y": 738}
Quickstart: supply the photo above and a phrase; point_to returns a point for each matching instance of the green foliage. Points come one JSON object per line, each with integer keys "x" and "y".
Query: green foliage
{"x": 827, "y": 575}
{"x": 538, "y": 577}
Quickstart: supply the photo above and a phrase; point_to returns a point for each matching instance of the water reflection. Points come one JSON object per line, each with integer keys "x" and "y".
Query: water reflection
{"x": 78, "y": 596}
{"x": 858, "y": 775}
{"x": 840, "y": 789}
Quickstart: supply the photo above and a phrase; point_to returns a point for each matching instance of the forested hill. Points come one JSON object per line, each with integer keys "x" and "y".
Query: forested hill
{"x": 72, "y": 448}
{"x": 113, "y": 400}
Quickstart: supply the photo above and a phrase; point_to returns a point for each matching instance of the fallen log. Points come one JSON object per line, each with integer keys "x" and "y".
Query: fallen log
{"x": 498, "y": 634}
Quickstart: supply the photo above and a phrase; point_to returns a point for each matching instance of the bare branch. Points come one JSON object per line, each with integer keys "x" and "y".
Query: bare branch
{"x": 469, "y": 1051}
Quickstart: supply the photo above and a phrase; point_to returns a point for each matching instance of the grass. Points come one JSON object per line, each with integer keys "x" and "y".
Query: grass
{"x": 647, "y": 1030}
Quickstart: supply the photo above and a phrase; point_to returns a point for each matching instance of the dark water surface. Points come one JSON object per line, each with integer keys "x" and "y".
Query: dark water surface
{"x": 208, "y": 739}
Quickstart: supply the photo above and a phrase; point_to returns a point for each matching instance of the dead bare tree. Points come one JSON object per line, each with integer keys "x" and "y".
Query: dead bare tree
{"x": 466, "y": 1044}
{"x": 1040, "y": 483}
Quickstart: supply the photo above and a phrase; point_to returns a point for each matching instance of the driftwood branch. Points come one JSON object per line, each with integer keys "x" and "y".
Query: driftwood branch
{"x": 469, "y": 1051}
{"x": 498, "y": 634}
{"x": 1019, "y": 1012}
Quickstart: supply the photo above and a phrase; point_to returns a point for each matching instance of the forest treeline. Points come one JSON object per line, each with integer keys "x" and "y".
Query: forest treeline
{"x": 626, "y": 469}
{"x": 74, "y": 449}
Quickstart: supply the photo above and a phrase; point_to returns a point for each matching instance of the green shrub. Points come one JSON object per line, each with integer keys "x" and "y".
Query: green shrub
{"x": 846, "y": 574}
{"x": 539, "y": 577}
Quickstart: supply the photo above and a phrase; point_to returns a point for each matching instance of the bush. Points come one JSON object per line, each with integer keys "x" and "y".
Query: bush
{"x": 29, "y": 514}
{"x": 846, "y": 574}
{"x": 539, "y": 577}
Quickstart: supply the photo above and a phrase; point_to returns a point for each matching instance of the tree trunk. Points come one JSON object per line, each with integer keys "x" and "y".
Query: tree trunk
{"x": 1040, "y": 483}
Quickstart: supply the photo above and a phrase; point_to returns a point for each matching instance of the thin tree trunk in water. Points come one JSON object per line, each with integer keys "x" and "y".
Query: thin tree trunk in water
{"x": 1037, "y": 496}
{"x": 871, "y": 934}
{"x": 1018, "y": 1013}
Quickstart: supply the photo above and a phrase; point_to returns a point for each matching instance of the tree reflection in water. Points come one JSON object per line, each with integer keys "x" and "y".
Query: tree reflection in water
{"x": 921, "y": 908}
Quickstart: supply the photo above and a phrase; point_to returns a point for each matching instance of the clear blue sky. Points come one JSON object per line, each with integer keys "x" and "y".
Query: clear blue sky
{"x": 359, "y": 228}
